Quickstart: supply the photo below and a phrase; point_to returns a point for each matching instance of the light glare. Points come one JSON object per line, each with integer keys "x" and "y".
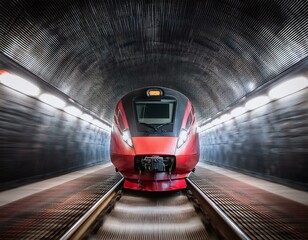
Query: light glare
{"x": 86, "y": 117}
{"x": 73, "y": 111}
{"x": 205, "y": 127}
{"x": 216, "y": 122}
{"x": 226, "y": 117}
{"x": 182, "y": 138}
{"x": 127, "y": 138}
{"x": 257, "y": 102}
{"x": 288, "y": 87}
{"x": 238, "y": 111}
{"x": 52, "y": 100}
{"x": 101, "y": 125}
{"x": 125, "y": 135}
{"x": 19, "y": 84}
{"x": 251, "y": 86}
{"x": 208, "y": 125}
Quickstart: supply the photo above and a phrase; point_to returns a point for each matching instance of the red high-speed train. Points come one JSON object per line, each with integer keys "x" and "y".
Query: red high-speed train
{"x": 154, "y": 139}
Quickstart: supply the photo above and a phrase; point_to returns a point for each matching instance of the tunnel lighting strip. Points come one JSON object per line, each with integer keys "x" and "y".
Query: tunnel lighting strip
{"x": 19, "y": 84}
{"x": 238, "y": 111}
{"x": 257, "y": 102}
{"x": 73, "y": 111}
{"x": 28, "y": 88}
{"x": 226, "y": 117}
{"x": 288, "y": 87}
{"x": 86, "y": 117}
{"x": 278, "y": 91}
{"x": 52, "y": 100}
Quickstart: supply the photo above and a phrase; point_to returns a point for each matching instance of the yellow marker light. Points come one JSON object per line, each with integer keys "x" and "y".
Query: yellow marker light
{"x": 154, "y": 92}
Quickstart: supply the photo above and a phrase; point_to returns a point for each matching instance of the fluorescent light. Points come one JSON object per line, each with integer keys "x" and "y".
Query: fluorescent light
{"x": 216, "y": 121}
{"x": 205, "y": 127}
{"x": 101, "y": 125}
{"x": 73, "y": 111}
{"x": 238, "y": 111}
{"x": 257, "y": 102}
{"x": 288, "y": 87}
{"x": 19, "y": 84}
{"x": 86, "y": 117}
{"x": 225, "y": 117}
{"x": 250, "y": 86}
{"x": 97, "y": 123}
{"x": 52, "y": 100}
{"x": 208, "y": 125}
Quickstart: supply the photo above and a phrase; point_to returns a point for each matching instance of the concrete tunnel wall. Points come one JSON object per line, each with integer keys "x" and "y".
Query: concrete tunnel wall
{"x": 270, "y": 142}
{"x": 39, "y": 141}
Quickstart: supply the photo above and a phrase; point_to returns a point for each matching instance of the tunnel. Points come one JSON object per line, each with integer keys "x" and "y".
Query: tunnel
{"x": 89, "y": 54}
{"x": 217, "y": 53}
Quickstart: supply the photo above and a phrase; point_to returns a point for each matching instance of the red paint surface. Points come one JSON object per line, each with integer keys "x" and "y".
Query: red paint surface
{"x": 155, "y": 145}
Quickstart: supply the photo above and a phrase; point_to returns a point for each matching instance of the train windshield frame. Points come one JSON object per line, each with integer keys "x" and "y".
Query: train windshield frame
{"x": 155, "y": 112}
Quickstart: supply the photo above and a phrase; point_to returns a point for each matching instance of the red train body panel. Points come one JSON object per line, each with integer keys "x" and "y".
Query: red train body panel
{"x": 154, "y": 142}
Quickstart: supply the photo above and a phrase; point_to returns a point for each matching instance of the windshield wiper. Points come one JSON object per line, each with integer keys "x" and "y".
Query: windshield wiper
{"x": 160, "y": 126}
{"x": 148, "y": 125}
{"x": 154, "y": 128}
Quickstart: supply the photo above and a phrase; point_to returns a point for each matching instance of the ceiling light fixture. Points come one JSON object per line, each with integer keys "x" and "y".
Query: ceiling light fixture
{"x": 226, "y": 117}
{"x": 216, "y": 122}
{"x": 257, "y": 102}
{"x": 86, "y": 117}
{"x": 238, "y": 111}
{"x": 52, "y": 100}
{"x": 73, "y": 111}
{"x": 288, "y": 87}
{"x": 19, "y": 84}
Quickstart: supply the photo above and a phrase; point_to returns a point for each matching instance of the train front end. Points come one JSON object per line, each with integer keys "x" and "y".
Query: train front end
{"x": 154, "y": 140}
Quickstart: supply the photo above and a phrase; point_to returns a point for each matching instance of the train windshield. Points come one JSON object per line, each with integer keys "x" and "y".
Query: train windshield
{"x": 154, "y": 112}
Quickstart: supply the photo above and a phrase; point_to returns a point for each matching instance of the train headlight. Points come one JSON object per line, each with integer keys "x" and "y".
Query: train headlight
{"x": 182, "y": 138}
{"x": 127, "y": 138}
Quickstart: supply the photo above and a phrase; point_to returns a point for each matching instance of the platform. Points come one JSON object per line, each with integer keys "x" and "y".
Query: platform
{"x": 45, "y": 209}
{"x": 262, "y": 209}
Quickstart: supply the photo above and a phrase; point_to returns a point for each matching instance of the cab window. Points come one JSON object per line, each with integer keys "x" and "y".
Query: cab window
{"x": 151, "y": 112}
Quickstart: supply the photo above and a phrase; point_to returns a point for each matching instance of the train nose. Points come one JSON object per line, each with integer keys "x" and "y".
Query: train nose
{"x": 155, "y": 145}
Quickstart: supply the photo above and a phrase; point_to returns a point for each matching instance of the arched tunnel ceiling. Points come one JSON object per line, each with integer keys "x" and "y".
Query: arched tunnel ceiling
{"x": 213, "y": 51}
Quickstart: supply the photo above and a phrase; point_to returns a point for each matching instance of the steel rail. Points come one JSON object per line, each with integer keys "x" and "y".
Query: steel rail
{"x": 235, "y": 229}
{"x": 73, "y": 231}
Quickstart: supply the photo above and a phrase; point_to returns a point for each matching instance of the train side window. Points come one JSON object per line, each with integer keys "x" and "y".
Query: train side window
{"x": 189, "y": 121}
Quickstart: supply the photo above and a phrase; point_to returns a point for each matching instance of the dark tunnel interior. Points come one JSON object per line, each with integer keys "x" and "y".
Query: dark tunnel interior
{"x": 91, "y": 53}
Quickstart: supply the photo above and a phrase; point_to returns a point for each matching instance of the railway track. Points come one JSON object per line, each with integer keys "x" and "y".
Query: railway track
{"x": 139, "y": 215}
{"x": 222, "y": 224}
{"x": 199, "y": 212}
{"x": 78, "y": 211}
{"x": 124, "y": 214}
